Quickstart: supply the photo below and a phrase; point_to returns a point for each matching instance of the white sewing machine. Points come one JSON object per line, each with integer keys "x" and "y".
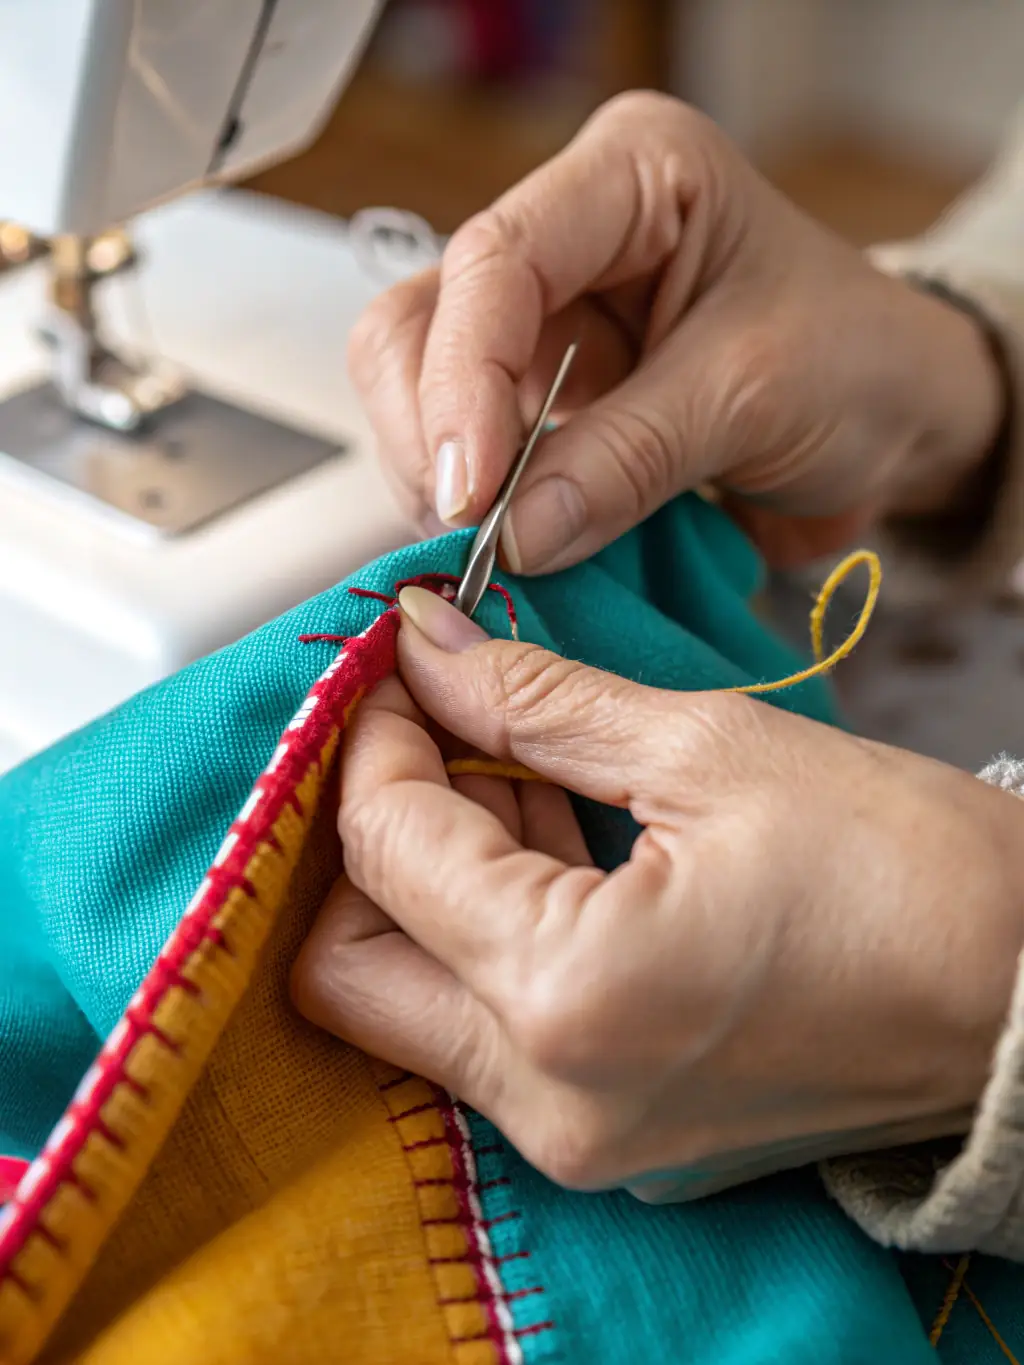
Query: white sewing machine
{"x": 181, "y": 456}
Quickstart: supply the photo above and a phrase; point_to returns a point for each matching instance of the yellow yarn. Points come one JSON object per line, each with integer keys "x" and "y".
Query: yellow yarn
{"x": 493, "y": 767}
{"x": 835, "y": 580}
{"x": 490, "y": 767}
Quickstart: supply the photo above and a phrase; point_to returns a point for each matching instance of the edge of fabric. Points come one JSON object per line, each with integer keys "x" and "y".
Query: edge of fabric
{"x": 489, "y": 1314}
{"x": 97, "y": 1155}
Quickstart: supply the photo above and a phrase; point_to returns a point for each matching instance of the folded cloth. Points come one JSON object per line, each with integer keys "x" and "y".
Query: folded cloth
{"x": 224, "y": 1183}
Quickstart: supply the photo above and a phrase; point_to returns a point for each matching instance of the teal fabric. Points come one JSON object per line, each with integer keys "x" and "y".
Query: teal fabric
{"x": 107, "y": 834}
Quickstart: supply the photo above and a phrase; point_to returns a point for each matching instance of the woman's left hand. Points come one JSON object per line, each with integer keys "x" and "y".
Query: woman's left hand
{"x": 814, "y": 935}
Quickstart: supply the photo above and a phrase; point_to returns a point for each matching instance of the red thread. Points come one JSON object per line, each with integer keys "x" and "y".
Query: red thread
{"x": 396, "y": 1081}
{"x": 458, "y": 1218}
{"x": 464, "y": 1157}
{"x": 425, "y": 580}
{"x": 326, "y": 639}
{"x": 478, "y": 1255}
{"x": 105, "y": 1131}
{"x": 29, "y": 1290}
{"x": 408, "y": 1113}
{"x": 525, "y": 1293}
{"x": 12, "y": 1168}
{"x": 509, "y": 1298}
{"x": 495, "y": 1184}
{"x": 86, "y": 1191}
{"x": 163, "y": 1038}
{"x": 369, "y": 659}
{"x": 513, "y": 619}
{"x": 502, "y": 1218}
{"x": 534, "y": 1328}
{"x": 41, "y": 1230}
{"x": 373, "y": 596}
{"x": 530, "y": 1331}
{"x": 424, "y": 1142}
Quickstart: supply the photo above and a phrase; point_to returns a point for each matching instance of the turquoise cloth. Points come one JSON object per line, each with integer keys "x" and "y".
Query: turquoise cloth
{"x": 107, "y": 835}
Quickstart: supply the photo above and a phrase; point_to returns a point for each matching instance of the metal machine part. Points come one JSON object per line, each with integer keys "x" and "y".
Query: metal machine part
{"x": 198, "y": 459}
{"x": 130, "y": 434}
{"x": 111, "y": 106}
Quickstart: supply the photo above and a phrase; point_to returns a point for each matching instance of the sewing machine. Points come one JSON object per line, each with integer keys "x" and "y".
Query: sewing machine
{"x": 181, "y": 456}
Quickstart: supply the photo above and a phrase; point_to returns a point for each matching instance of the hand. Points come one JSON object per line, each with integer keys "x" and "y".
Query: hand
{"x": 725, "y": 338}
{"x": 814, "y": 935}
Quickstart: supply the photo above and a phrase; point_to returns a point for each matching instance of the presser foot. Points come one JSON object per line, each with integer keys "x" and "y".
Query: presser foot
{"x": 187, "y": 465}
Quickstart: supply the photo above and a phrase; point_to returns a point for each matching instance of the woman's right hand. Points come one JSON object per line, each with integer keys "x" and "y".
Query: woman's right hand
{"x": 726, "y": 338}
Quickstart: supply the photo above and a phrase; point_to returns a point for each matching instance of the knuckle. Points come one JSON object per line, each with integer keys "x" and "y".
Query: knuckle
{"x": 561, "y": 1026}
{"x": 574, "y": 1145}
{"x": 368, "y": 837}
{"x": 484, "y": 238}
{"x": 758, "y": 355}
{"x": 535, "y": 690}
{"x": 642, "y": 450}
{"x": 541, "y": 1031}
{"x": 569, "y": 1159}
{"x": 651, "y": 117}
{"x": 382, "y": 325}
{"x": 640, "y": 107}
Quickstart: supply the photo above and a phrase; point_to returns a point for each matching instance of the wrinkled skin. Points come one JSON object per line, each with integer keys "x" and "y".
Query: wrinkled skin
{"x": 726, "y": 338}
{"x": 814, "y": 941}
{"x": 814, "y": 936}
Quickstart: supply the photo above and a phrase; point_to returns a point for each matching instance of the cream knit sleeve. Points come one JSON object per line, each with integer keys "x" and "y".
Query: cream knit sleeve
{"x": 957, "y": 1194}
{"x": 967, "y": 1195}
{"x": 977, "y": 251}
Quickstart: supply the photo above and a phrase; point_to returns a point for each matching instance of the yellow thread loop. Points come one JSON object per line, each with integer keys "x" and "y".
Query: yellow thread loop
{"x": 836, "y": 578}
{"x": 492, "y": 767}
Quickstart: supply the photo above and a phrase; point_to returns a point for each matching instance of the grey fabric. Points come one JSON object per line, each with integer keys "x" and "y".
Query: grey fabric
{"x": 953, "y": 1196}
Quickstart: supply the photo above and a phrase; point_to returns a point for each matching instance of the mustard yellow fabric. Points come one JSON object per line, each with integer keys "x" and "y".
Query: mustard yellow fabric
{"x": 279, "y": 1225}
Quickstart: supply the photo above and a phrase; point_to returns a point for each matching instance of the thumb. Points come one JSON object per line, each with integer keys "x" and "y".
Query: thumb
{"x": 614, "y": 463}
{"x": 592, "y": 732}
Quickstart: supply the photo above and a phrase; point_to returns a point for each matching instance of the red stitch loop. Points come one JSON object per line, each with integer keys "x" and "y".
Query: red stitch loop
{"x": 369, "y": 659}
{"x": 409, "y": 1113}
{"x": 444, "y": 584}
{"x": 373, "y": 596}
{"x": 397, "y": 1081}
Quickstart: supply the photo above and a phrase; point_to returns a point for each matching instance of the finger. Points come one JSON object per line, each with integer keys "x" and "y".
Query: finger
{"x": 587, "y": 220}
{"x": 549, "y": 824}
{"x": 496, "y": 795}
{"x": 362, "y": 979}
{"x": 385, "y": 360}
{"x": 446, "y": 870}
{"x": 592, "y": 732}
{"x": 622, "y": 457}
{"x": 608, "y": 350}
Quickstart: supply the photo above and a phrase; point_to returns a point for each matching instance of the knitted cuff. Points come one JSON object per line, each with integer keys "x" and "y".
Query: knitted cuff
{"x": 954, "y": 1196}
{"x": 973, "y": 548}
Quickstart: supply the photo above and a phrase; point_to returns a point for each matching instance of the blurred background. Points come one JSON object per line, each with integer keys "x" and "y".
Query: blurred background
{"x": 871, "y": 113}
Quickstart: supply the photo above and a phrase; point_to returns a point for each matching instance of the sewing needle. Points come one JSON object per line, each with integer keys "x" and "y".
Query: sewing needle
{"x": 484, "y": 550}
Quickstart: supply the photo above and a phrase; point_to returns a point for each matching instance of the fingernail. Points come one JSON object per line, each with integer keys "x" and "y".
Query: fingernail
{"x": 442, "y": 624}
{"x": 452, "y": 476}
{"x": 542, "y": 523}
